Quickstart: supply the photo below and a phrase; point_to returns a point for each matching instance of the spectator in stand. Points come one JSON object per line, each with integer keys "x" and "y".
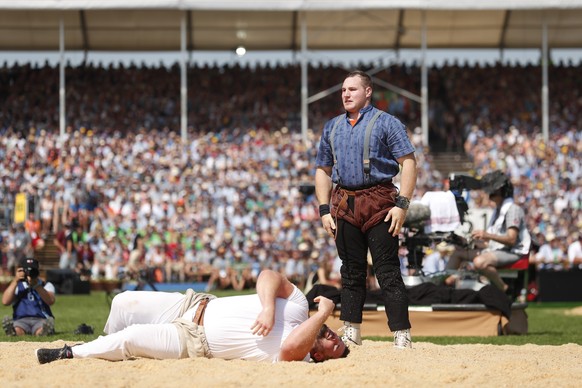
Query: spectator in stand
{"x": 559, "y": 250}
{"x": 221, "y": 275}
{"x": 9, "y": 245}
{"x": 3, "y": 256}
{"x": 22, "y": 244}
{"x": 156, "y": 260}
{"x": 241, "y": 274}
{"x": 575, "y": 252}
{"x": 438, "y": 261}
{"x": 117, "y": 256}
{"x": 405, "y": 267}
{"x": 136, "y": 264}
{"x": 33, "y": 227}
{"x": 175, "y": 264}
{"x": 47, "y": 205}
{"x": 544, "y": 256}
{"x": 60, "y": 242}
{"x": 328, "y": 270}
{"x": 85, "y": 259}
{"x": 100, "y": 260}
{"x": 294, "y": 267}
{"x": 58, "y": 221}
{"x": 70, "y": 258}
{"x": 551, "y": 255}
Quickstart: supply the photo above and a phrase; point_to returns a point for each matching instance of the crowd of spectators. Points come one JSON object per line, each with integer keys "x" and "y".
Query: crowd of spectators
{"x": 244, "y": 198}
{"x": 238, "y": 195}
{"x": 547, "y": 181}
{"x": 106, "y": 99}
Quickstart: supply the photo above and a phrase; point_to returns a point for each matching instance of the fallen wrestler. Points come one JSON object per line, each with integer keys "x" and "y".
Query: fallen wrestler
{"x": 271, "y": 325}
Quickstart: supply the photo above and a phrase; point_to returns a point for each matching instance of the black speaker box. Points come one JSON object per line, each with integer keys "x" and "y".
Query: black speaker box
{"x": 67, "y": 281}
{"x": 560, "y": 286}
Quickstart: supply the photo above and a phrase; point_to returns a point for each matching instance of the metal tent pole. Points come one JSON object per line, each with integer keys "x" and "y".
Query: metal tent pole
{"x": 183, "y": 82}
{"x": 304, "y": 121}
{"x": 62, "y": 117}
{"x": 545, "y": 91}
{"x": 424, "y": 84}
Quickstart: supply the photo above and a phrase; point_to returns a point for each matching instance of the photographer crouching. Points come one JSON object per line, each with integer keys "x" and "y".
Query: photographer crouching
{"x": 31, "y": 298}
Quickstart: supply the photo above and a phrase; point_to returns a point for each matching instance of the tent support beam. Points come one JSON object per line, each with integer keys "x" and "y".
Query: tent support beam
{"x": 504, "y": 34}
{"x": 84, "y": 35}
{"x": 183, "y": 81}
{"x": 424, "y": 84}
{"x": 545, "y": 89}
{"x": 304, "y": 78}
{"x": 62, "y": 122}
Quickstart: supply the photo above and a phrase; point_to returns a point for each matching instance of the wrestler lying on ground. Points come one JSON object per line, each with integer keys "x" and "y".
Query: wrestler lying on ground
{"x": 271, "y": 325}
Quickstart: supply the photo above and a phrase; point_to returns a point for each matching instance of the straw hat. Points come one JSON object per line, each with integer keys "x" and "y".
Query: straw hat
{"x": 444, "y": 247}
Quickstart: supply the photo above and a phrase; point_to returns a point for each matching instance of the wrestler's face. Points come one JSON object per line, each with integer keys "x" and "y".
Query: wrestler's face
{"x": 329, "y": 345}
{"x": 354, "y": 95}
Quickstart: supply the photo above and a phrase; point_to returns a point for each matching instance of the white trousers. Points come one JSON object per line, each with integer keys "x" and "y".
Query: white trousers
{"x": 135, "y": 307}
{"x": 138, "y": 326}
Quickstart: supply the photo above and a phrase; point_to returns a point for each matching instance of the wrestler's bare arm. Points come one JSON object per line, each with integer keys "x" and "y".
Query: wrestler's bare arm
{"x": 301, "y": 339}
{"x": 270, "y": 286}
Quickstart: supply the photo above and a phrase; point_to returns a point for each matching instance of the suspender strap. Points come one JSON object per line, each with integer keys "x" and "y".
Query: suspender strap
{"x": 366, "y": 158}
{"x": 367, "y": 142}
{"x": 331, "y": 137}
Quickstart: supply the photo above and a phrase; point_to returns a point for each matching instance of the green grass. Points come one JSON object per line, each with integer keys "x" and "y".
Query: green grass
{"x": 548, "y": 323}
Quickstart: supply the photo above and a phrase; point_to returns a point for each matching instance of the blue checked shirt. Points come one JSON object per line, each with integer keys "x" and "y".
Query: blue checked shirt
{"x": 388, "y": 142}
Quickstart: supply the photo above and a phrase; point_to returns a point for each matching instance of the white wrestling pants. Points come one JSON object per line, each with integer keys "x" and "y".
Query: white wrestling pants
{"x": 138, "y": 326}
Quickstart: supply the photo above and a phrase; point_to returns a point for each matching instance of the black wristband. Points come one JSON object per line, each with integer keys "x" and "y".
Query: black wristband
{"x": 323, "y": 210}
{"x": 402, "y": 202}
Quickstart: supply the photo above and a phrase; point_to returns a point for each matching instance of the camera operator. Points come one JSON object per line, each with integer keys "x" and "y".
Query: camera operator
{"x": 506, "y": 239}
{"x": 31, "y": 298}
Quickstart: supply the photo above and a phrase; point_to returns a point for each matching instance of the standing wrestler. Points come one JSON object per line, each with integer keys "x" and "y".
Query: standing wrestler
{"x": 359, "y": 154}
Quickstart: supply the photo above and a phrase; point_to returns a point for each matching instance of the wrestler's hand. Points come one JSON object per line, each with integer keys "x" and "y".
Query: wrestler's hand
{"x": 328, "y": 224}
{"x": 325, "y": 306}
{"x": 396, "y": 216}
{"x": 264, "y": 322}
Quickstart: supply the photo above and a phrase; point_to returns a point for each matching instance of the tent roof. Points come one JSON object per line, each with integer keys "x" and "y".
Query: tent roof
{"x": 154, "y": 25}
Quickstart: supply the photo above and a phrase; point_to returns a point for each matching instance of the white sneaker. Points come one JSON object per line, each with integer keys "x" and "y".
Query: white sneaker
{"x": 351, "y": 334}
{"x": 402, "y": 339}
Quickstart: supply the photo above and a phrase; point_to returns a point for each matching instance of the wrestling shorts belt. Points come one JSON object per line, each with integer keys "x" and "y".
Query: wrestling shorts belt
{"x": 363, "y": 208}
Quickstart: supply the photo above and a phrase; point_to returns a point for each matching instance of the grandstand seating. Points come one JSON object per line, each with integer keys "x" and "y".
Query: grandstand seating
{"x": 48, "y": 256}
{"x": 259, "y": 113}
{"x": 447, "y": 162}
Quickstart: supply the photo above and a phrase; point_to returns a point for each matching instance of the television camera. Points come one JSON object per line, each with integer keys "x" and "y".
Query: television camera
{"x": 30, "y": 267}
{"x": 416, "y": 239}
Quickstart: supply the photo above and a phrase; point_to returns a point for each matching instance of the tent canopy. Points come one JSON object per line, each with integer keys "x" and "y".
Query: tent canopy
{"x": 154, "y": 25}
